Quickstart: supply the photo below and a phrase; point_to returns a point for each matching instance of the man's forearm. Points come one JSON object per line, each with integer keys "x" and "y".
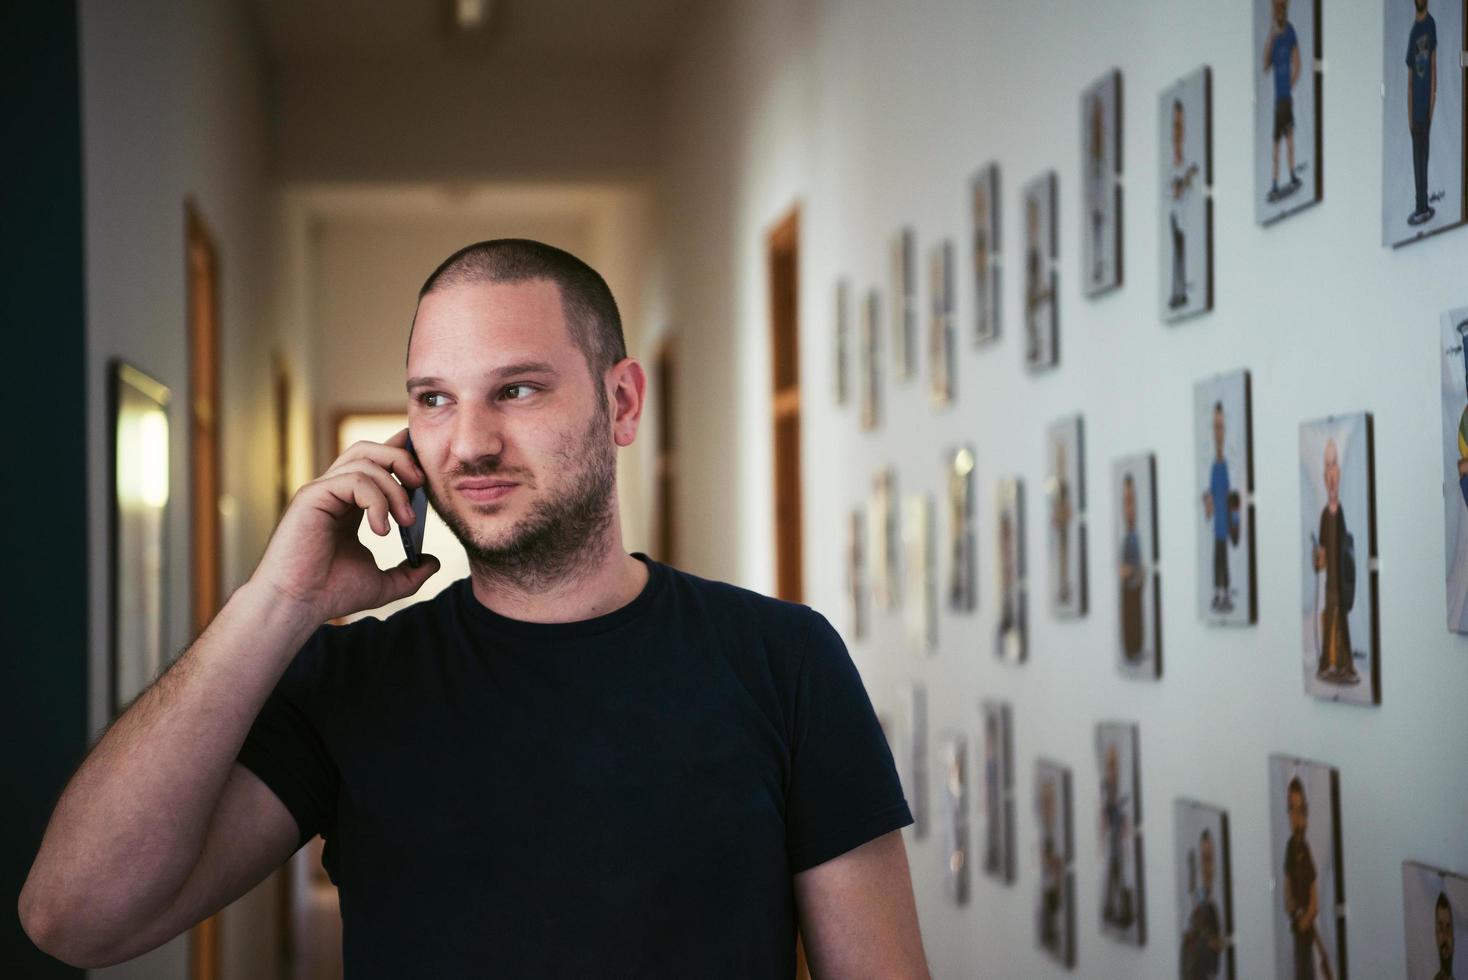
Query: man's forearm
{"x": 130, "y": 824}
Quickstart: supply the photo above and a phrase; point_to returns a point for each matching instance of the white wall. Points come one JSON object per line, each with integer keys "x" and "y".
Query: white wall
{"x": 173, "y": 108}
{"x": 874, "y": 116}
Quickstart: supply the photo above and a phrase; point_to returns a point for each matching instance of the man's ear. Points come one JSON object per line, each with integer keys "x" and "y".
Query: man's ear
{"x": 627, "y": 387}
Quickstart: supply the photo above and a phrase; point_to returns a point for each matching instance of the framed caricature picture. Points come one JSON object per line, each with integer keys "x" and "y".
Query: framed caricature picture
{"x": 953, "y": 753}
{"x": 1066, "y": 489}
{"x": 1338, "y": 560}
{"x": 1139, "y": 585}
{"x": 1119, "y": 820}
{"x": 1453, "y": 347}
{"x": 1310, "y": 894}
{"x": 1042, "y": 295}
{"x": 870, "y": 350}
{"x": 1435, "y": 917}
{"x": 920, "y": 599}
{"x": 1286, "y": 54}
{"x": 912, "y": 757}
{"x": 1185, "y": 166}
{"x": 1422, "y": 119}
{"x": 884, "y": 536}
{"x": 1223, "y": 464}
{"x": 1009, "y": 543}
{"x": 1101, "y": 238}
{"x": 997, "y": 771}
{"x": 961, "y": 557}
{"x": 1204, "y": 890}
{"x": 940, "y": 323}
{"x": 904, "y": 304}
{"x": 1055, "y": 922}
{"x": 984, "y": 200}
{"x": 856, "y": 598}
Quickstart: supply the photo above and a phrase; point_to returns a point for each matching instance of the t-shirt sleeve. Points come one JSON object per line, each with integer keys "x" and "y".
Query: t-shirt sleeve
{"x": 844, "y": 789}
{"x": 284, "y": 746}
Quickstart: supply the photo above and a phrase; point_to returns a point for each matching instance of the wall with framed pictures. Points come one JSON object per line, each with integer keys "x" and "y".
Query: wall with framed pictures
{"x": 1270, "y": 397}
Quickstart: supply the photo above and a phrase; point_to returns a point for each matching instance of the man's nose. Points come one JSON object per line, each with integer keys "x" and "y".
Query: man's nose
{"x": 477, "y": 432}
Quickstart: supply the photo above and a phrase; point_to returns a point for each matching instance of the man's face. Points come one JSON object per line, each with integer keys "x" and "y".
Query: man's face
{"x": 1298, "y": 816}
{"x": 1218, "y": 430}
{"x": 1280, "y": 7}
{"x": 1445, "y": 935}
{"x": 1332, "y": 472}
{"x": 1129, "y": 503}
{"x": 1205, "y": 858}
{"x": 1421, "y": 6}
{"x": 512, "y": 431}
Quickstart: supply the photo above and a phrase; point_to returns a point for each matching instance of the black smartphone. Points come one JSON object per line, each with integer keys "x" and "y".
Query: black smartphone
{"x": 413, "y": 534}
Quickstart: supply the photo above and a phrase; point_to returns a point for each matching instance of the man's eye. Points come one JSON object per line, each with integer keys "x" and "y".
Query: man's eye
{"x": 427, "y": 399}
{"x": 518, "y": 392}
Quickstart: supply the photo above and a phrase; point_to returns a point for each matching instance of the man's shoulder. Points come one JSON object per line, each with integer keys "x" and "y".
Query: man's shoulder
{"x": 743, "y": 613}
{"x": 726, "y": 601}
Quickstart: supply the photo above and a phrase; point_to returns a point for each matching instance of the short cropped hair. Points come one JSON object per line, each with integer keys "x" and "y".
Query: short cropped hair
{"x": 587, "y": 303}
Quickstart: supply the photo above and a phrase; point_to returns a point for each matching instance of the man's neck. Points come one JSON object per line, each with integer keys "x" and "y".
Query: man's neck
{"x": 604, "y": 582}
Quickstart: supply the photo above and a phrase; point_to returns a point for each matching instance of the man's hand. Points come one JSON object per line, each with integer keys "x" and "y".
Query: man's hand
{"x": 315, "y": 558}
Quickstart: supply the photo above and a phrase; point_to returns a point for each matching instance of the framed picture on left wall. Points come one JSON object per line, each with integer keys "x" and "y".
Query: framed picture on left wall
{"x": 138, "y": 460}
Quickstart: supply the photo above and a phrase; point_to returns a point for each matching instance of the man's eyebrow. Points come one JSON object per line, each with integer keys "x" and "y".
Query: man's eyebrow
{"x": 522, "y": 367}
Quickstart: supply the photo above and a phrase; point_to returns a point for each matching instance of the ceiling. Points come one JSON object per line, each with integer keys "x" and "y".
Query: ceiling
{"x": 634, "y": 31}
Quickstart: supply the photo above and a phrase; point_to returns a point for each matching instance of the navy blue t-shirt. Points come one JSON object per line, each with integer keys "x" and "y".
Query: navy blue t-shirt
{"x": 626, "y": 796}
{"x": 1421, "y": 43}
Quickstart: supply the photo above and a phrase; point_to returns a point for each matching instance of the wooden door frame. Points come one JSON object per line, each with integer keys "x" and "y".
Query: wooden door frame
{"x": 202, "y": 412}
{"x": 782, "y": 251}
{"x": 782, "y": 267}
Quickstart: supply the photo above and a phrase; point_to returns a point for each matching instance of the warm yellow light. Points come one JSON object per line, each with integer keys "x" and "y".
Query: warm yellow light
{"x": 142, "y": 458}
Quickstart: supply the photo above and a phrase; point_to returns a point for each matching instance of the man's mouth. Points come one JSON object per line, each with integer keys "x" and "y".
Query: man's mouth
{"x": 485, "y": 489}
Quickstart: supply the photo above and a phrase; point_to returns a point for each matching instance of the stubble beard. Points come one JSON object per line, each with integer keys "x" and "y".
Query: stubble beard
{"x": 563, "y": 534}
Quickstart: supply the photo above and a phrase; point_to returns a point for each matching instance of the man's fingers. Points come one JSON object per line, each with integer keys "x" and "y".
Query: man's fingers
{"x": 393, "y": 458}
{"x": 402, "y": 507}
{"x": 404, "y": 580}
{"x": 360, "y": 491}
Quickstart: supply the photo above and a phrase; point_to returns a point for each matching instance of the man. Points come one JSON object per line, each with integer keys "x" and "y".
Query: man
{"x": 1443, "y": 933}
{"x": 1335, "y": 556}
{"x": 1218, "y": 509}
{"x": 1421, "y": 101}
{"x": 1132, "y": 575}
{"x": 1301, "y": 891}
{"x": 1203, "y": 940}
{"x": 1180, "y": 196}
{"x": 575, "y": 762}
{"x": 1282, "y": 56}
